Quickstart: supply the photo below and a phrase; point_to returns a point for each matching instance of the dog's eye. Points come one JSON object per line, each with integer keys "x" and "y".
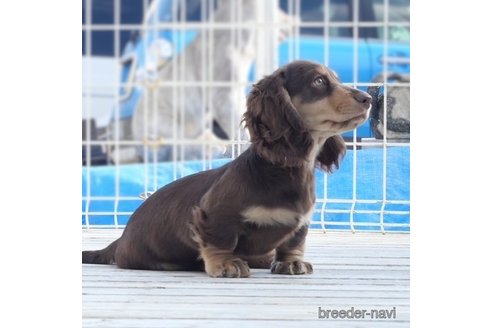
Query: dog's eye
{"x": 319, "y": 82}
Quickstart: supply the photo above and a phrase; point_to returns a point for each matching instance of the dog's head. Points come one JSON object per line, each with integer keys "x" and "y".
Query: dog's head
{"x": 300, "y": 106}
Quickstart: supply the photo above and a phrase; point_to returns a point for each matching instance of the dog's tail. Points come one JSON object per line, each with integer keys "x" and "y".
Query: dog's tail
{"x": 103, "y": 256}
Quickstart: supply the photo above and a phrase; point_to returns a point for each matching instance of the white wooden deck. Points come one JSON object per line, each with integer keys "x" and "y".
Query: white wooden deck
{"x": 362, "y": 270}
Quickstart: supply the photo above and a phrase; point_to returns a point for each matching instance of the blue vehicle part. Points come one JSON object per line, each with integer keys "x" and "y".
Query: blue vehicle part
{"x": 135, "y": 56}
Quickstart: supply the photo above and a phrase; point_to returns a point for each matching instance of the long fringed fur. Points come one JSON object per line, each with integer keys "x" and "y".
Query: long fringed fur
{"x": 277, "y": 131}
{"x": 331, "y": 154}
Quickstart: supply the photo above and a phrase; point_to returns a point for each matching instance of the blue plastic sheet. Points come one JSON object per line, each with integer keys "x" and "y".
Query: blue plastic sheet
{"x": 369, "y": 187}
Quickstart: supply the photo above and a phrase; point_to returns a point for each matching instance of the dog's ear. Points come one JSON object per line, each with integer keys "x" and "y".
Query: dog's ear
{"x": 276, "y": 129}
{"x": 331, "y": 154}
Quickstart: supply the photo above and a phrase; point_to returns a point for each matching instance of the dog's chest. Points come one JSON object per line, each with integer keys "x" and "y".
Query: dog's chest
{"x": 264, "y": 229}
{"x": 262, "y": 216}
{"x": 291, "y": 206}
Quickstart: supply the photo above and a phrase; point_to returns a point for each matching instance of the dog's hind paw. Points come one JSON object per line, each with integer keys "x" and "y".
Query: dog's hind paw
{"x": 232, "y": 268}
{"x": 294, "y": 267}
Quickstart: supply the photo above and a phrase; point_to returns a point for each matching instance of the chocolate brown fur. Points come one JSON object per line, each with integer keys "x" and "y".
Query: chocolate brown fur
{"x": 255, "y": 210}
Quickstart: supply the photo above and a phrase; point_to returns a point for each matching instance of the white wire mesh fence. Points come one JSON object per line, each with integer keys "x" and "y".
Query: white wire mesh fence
{"x": 165, "y": 83}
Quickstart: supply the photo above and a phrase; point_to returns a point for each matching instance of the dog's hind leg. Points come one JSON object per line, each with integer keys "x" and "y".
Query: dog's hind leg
{"x": 260, "y": 261}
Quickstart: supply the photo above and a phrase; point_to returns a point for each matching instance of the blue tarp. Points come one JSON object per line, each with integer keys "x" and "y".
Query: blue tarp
{"x": 369, "y": 186}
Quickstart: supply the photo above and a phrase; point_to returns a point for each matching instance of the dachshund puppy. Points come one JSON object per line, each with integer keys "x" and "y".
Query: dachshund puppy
{"x": 254, "y": 211}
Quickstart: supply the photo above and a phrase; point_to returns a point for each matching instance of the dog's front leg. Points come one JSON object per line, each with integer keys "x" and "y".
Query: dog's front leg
{"x": 222, "y": 263}
{"x": 216, "y": 242}
{"x": 289, "y": 257}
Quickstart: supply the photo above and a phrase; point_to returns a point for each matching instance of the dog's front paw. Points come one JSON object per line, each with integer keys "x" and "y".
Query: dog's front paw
{"x": 232, "y": 268}
{"x": 294, "y": 267}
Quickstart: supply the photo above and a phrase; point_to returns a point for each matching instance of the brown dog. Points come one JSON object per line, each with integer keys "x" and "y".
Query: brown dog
{"x": 255, "y": 210}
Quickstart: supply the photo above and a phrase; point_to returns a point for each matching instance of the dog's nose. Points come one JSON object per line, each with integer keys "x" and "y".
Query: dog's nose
{"x": 362, "y": 97}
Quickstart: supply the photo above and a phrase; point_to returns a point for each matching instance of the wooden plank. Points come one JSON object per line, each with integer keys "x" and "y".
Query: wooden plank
{"x": 342, "y": 292}
{"x": 281, "y": 291}
{"x": 214, "y": 323}
{"x": 257, "y": 276}
{"x": 341, "y": 284}
{"x": 362, "y": 270}
{"x": 218, "y": 311}
{"x": 246, "y": 300}
{"x": 341, "y": 273}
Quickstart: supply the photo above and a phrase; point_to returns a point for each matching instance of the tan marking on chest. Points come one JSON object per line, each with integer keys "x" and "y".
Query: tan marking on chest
{"x": 305, "y": 219}
{"x": 264, "y": 216}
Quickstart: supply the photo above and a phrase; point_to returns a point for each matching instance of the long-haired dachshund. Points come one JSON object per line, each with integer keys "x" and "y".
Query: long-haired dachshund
{"x": 254, "y": 211}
